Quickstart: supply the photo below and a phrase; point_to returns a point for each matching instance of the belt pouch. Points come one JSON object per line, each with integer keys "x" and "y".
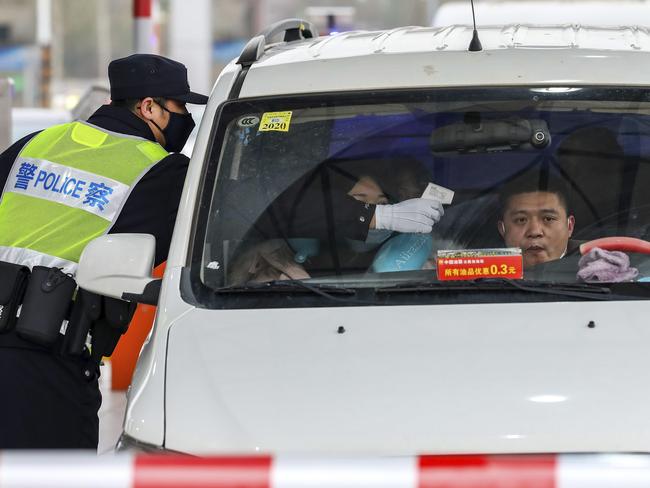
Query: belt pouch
{"x": 46, "y": 302}
{"x": 13, "y": 281}
{"x": 85, "y": 311}
{"x": 117, "y": 315}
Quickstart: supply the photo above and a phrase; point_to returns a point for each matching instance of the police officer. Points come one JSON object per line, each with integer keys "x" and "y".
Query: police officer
{"x": 118, "y": 172}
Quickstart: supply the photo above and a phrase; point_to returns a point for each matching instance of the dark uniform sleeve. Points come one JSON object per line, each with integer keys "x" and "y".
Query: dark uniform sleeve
{"x": 340, "y": 215}
{"x": 8, "y": 157}
{"x": 153, "y": 203}
{"x": 312, "y": 210}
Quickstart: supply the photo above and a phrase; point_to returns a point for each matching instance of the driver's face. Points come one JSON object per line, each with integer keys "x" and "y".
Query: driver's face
{"x": 538, "y": 223}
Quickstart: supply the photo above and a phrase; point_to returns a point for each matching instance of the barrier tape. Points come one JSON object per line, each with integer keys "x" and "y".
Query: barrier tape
{"x": 47, "y": 469}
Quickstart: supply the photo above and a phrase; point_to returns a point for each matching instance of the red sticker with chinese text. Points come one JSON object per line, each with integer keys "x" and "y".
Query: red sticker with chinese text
{"x": 472, "y": 264}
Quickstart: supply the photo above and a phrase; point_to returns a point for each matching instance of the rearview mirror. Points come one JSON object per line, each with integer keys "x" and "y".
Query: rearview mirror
{"x": 120, "y": 266}
{"x": 490, "y": 135}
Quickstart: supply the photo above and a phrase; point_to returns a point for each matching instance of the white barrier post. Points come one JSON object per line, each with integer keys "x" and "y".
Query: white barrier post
{"x": 143, "y": 27}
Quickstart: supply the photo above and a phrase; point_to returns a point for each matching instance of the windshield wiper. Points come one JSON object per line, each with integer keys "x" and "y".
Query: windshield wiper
{"x": 291, "y": 286}
{"x": 577, "y": 290}
{"x": 586, "y": 291}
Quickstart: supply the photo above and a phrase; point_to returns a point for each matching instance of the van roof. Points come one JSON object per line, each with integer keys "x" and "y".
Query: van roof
{"x": 411, "y": 57}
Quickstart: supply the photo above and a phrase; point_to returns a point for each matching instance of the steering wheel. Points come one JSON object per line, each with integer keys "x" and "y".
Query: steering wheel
{"x": 616, "y": 243}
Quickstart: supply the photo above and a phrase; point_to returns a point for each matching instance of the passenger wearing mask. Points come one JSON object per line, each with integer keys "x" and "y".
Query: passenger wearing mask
{"x": 348, "y": 198}
{"x": 365, "y": 203}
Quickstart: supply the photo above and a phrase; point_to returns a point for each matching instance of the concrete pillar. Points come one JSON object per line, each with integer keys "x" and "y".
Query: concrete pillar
{"x": 103, "y": 38}
{"x": 5, "y": 112}
{"x": 431, "y": 7}
{"x": 190, "y": 40}
{"x": 44, "y": 42}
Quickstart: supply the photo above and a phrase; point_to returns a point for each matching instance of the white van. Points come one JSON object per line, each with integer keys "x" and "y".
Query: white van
{"x": 368, "y": 347}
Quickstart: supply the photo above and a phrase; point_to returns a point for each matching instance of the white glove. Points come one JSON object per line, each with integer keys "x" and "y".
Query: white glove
{"x": 415, "y": 215}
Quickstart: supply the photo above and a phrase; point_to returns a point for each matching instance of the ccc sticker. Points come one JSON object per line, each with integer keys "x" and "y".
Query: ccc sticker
{"x": 248, "y": 121}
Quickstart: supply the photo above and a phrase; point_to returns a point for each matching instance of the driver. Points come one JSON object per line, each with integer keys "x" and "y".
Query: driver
{"x": 534, "y": 216}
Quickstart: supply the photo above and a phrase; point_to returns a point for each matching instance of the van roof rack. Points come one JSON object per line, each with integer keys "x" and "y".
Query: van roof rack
{"x": 293, "y": 30}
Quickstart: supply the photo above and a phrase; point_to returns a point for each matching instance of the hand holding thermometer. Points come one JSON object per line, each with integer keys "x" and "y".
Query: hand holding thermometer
{"x": 439, "y": 193}
{"x": 417, "y": 215}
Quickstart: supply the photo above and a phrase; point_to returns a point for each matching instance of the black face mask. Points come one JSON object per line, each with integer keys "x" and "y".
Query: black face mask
{"x": 178, "y": 130}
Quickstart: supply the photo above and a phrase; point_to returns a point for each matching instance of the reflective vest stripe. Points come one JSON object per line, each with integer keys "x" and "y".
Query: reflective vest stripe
{"x": 67, "y": 186}
{"x": 50, "y": 227}
{"x": 30, "y": 258}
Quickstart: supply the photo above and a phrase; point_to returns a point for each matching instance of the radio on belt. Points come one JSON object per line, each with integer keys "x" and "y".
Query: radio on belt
{"x": 47, "y": 299}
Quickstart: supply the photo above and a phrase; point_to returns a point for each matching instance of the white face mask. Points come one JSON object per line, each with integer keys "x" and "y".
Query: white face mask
{"x": 375, "y": 238}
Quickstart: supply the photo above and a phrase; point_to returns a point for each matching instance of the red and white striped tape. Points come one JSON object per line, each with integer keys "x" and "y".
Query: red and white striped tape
{"x": 75, "y": 470}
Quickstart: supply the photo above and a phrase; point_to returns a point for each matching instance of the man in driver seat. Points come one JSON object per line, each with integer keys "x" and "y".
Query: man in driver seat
{"x": 534, "y": 215}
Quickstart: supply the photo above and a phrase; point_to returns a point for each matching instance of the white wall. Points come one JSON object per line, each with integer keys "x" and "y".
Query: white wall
{"x": 593, "y": 12}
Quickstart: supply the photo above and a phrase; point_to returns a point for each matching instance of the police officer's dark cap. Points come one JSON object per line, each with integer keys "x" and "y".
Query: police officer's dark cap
{"x": 149, "y": 75}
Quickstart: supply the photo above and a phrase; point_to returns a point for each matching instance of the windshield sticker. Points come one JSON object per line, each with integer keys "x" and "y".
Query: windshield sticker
{"x": 275, "y": 121}
{"x": 248, "y": 121}
{"x": 439, "y": 193}
{"x": 471, "y": 264}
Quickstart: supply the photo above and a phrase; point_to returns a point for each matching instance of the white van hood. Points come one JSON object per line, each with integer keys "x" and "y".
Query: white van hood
{"x": 489, "y": 378}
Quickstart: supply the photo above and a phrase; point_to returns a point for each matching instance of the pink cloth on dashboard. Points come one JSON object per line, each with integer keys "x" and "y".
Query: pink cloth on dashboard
{"x": 599, "y": 265}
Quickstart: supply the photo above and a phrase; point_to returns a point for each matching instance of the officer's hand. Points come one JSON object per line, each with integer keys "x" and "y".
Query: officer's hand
{"x": 416, "y": 215}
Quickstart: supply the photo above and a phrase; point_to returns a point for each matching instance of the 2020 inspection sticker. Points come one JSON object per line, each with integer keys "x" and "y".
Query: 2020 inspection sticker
{"x": 275, "y": 121}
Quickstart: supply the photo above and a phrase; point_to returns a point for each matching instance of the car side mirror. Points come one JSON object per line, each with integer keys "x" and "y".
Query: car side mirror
{"x": 120, "y": 266}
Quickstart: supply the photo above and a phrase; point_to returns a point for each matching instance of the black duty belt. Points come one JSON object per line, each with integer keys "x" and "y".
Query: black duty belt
{"x": 45, "y": 296}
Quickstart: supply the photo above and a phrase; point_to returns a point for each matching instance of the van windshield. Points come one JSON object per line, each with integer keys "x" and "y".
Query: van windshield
{"x": 552, "y": 182}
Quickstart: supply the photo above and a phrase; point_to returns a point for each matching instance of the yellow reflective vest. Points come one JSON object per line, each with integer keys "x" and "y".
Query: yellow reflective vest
{"x": 67, "y": 186}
